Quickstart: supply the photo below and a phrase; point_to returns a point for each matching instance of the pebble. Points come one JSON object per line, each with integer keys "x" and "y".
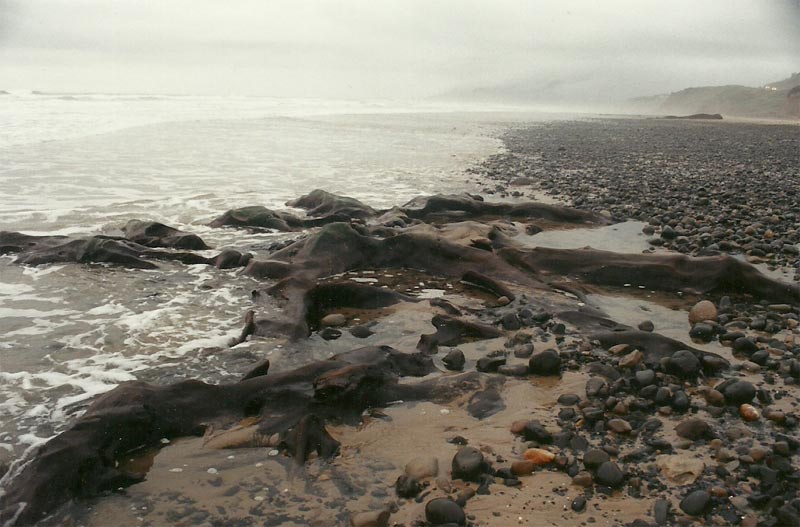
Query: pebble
{"x": 619, "y": 426}
{"x": 660, "y": 511}
{"x": 523, "y": 351}
{"x": 454, "y": 360}
{"x": 503, "y": 301}
{"x": 719, "y": 492}
{"x": 330, "y": 333}
{"x": 539, "y": 456}
{"x": 647, "y": 325}
{"x": 702, "y": 332}
{"x": 489, "y": 364}
{"x": 694, "y": 429}
{"x": 618, "y": 349}
{"x": 467, "y": 464}
{"x": 609, "y": 474}
{"x": 645, "y": 377}
{"x": 546, "y": 362}
{"x": 407, "y": 487}
{"x": 631, "y": 360}
{"x": 684, "y": 363}
{"x": 680, "y": 469}
{"x": 535, "y": 431}
{"x": 522, "y": 468}
{"x": 738, "y": 392}
{"x": 510, "y": 321}
{"x": 749, "y": 412}
{"x": 714, "y": 397}
{"x": 583, "y": 479}
{"x": 595, "y": 457}
{"x": 703, "y": 310}
{"x": 695, "y": 503}
{"x": 442, "y": 511}
{"x": 333, "y": 320}
{"x": 569, "y": 399}
{"x": 579, "y": 504}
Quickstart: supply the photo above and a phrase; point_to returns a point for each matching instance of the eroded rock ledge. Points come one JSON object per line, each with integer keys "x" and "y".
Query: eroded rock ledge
{"x": 458, "y": 238}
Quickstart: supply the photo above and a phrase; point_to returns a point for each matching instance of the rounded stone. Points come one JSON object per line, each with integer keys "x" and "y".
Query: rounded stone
{"x": 583, "y": 479}
{"x": 441, "y": 511}
{"x": 645, "y": 377}
{"x": 660, "y": 511}
{"x": 619, "y": 426}
{"x": 569, "y": 399}
{"x": 631, "y": 360}
{"x": 579, "y": 504}
{"x": 696, "y": 503}
{"x": 595, "y": 457}
{"x": 749, "y": 412}
{"x": 745, "y": 345}
{"x": 702, "y": 332}
{"x": 454, "y": 360}
{"x": 522, "y": 468}
{"x": 694, "y": 429}
{"x": 539, "y": 456}
{"x": 489, "y": 364}
{"x": 535, "y": 431}
{"x": 547, "y": 362}
{"x": 703, "y": 310}
{"x": 333, "y": 320}
{"x": 646, "y": 325}
{"x": 467, "y": 464}
{"x": 684, "y": 363}
{"x": 738, "y": 392}
{"x": 610, "y": 474}
{"x": 329, "y": 333}
{"x": 407, "y": 487}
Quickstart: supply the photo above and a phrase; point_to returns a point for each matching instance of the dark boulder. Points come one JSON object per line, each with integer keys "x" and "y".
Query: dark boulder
{"x": 737, "y": 392}
{"x": 444, "y": 511}
{"x": 468, "y": 464}
{"x": 547, "y": 362}
{"x": 609, "y": 474}
{"x": 154, "y": 234}
{"x": 696, "y": 503}
{"x": 320, "y": 203}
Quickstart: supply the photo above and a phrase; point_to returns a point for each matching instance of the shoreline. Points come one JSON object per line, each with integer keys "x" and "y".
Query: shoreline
{"x": 610, "y": 418}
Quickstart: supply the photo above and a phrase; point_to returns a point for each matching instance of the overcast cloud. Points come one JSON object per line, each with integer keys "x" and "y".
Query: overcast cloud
{"x": 393, "y": 48}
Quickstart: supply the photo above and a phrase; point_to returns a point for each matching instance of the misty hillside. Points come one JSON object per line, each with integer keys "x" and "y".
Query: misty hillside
{"x": 775, "y": 100}
{"x": 779, "y": 100}
{"x": 576, "y": 91}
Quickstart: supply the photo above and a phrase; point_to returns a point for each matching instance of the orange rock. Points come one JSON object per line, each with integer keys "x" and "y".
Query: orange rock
{"x": 539, "y": 456}
{"x": 522, "y": 468}
{"x": 749, "y": 412}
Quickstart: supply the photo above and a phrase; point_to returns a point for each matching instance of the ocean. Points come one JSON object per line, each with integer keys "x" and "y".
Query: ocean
{"x": 86, "y": 164}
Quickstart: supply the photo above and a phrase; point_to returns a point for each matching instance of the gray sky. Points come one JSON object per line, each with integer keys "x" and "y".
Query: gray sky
{"x": 392, "y": 48}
